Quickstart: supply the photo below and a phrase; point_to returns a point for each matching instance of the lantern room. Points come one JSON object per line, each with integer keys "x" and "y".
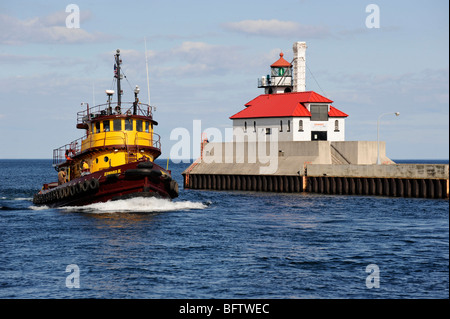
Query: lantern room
{"x": 280, "y": 78}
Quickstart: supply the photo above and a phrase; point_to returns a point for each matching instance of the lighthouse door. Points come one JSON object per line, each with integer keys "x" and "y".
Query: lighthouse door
{"x": 318, "y": 136}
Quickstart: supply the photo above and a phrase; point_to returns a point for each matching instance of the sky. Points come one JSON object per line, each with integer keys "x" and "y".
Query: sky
{"x": 204, "y": 59}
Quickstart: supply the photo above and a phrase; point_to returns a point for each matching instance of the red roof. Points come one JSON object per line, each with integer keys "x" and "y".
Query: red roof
{"x": 334, "y": 112}
{"x": 285, "y": 105}
{"x": 281, "y": 63}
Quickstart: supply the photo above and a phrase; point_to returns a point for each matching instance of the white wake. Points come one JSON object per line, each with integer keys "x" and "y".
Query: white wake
{"x": 137, "y": 205}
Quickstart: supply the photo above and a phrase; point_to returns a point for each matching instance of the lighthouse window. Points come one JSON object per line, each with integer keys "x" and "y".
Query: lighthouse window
{"x": 139, "y": 125}
{"x": 245, "y": 126}
{"x": 300, "y": 125}
{"x": 254, "y": 126}
{"x": 117, "y": 125}
{"x": 268, "y": 131}
{"x": 128, "y": 124}
{"x": 106, "y": 126}
{"x": 289, "y": 126}
{"x": 281, "y": 126}
{"x": 336, "y": 126}
{"x": 319, "y": 112}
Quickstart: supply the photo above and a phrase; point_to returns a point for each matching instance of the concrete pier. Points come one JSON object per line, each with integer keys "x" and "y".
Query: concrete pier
{"x": 393, "y": 181}
{"x": 317, "y": 167}
{"x": 398, "y": 180}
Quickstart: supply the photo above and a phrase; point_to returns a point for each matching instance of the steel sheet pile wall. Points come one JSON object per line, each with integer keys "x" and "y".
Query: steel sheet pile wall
{"x": 259, "y": 183}
{"x": 426, "y": 181}
{"x": 395, "y": 187}
{"x": 402, "y": 180}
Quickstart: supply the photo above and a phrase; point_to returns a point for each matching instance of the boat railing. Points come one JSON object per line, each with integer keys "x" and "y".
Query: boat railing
{"x": 76, "y": 147}
{"x": 66, "y": 152}
{"x": 126, "y": 108}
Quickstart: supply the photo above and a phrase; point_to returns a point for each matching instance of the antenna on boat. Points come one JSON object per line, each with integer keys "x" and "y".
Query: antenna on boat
{"x": 117, "y": 75}
{"x": 146, "y": 66}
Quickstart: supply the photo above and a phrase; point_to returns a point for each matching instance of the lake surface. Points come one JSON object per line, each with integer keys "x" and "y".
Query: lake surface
{"x": 219, "y": 244}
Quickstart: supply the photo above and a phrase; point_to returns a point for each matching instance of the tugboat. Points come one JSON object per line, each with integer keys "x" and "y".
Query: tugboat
{"x": 115, "y": 158}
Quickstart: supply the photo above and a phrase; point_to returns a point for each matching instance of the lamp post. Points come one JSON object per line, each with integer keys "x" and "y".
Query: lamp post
{"x": 378, "y": 134}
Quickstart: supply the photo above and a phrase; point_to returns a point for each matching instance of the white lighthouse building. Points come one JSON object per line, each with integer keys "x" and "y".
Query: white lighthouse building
{"x": 287, "y": 109}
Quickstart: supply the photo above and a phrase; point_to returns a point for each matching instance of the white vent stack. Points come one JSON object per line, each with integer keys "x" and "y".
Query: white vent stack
{"x": 299, "y": 66}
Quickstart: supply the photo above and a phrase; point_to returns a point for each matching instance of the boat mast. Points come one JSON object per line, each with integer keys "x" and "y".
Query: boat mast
{"x": 146, "y": 66}
{"x": 117, "y": 75}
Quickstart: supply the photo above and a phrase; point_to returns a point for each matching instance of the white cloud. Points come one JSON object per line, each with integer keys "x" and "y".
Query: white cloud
{"x": 188, "y": 58}
{"x": 277, "y": 28}
{"x": 48, "y": 29}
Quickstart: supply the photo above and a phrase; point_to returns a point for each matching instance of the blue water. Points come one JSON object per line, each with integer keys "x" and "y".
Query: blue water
{"x": 217, "y": 244}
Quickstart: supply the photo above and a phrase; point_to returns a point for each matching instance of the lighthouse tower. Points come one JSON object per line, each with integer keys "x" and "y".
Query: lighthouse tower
{"x": 288, "y": 109}
{"x": 280, "y": 78}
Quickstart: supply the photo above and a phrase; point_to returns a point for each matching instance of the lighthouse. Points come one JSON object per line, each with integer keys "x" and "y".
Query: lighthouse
{"x": 286, "y": 108}
{"x": 289, "y": 139}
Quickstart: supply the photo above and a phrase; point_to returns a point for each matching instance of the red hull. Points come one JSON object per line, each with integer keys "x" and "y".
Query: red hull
{"x": 138, "y": 179}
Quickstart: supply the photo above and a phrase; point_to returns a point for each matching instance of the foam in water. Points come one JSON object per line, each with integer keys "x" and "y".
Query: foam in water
{"x": 138, "y": 204}
{"x": 43, "y": 207}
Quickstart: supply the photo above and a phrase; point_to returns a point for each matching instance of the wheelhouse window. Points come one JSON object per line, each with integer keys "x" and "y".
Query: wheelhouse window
{"x": 147, "y": 127}
{"x": 106, "y": 126}
{"x": 97, "y": 127}
{"x": 319, "y": 112}
{"x": 139, "y": 125}
{"x": 117, "y": 125}
{"x": 128, "y": 124}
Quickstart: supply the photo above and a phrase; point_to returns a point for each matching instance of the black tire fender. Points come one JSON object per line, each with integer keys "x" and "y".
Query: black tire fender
{"x": 94, "y": 184}
{"x": 85, "y": 186}
{"x": 73, "y": 190}
{"x": 142, "y": 172}
{"x": 173, "y": 189}
{"x": 145, "y": 165}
